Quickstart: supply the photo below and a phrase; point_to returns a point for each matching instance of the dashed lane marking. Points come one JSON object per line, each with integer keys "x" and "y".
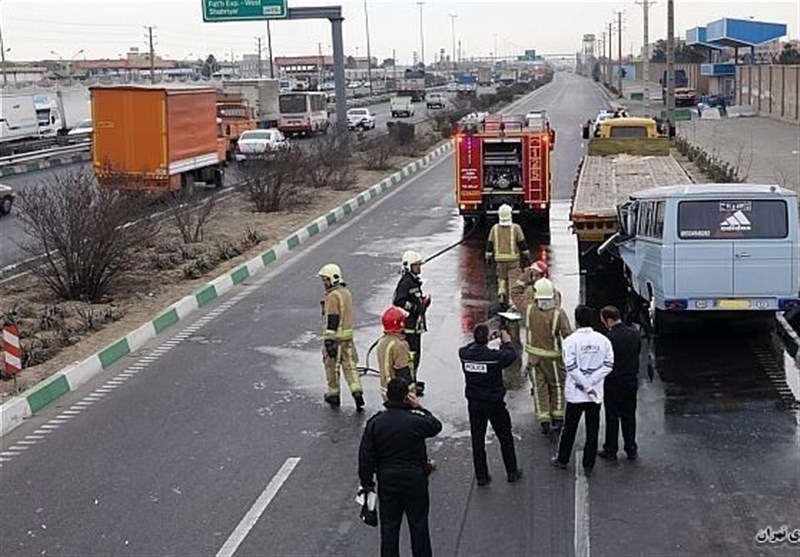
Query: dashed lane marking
{"x": 581, "y": 510}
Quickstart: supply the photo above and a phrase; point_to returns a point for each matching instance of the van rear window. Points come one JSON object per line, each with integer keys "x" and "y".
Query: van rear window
{"x": 733, "y": 219}
{"x": 628, "y": 131}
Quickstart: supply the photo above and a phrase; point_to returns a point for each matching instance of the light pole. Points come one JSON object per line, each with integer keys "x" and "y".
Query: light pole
{"x": 670, "y": 67}
{"x": 494, "y": 53}
{"x": 421, "y": 36}
{"x": 269, "y": 47}
{"x": 3, "y": 54}
{"x": 646, "y": 5}
{"x": 369, "y": 52}
{"x": 453, "y": 32}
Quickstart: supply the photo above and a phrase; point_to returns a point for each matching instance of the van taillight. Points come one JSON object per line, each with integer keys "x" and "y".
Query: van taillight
{"x": 788, "y": 303}
{"x": 676, "y": 304}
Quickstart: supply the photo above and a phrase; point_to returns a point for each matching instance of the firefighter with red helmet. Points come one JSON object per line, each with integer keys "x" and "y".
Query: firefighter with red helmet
{"x": 394, "y": 354}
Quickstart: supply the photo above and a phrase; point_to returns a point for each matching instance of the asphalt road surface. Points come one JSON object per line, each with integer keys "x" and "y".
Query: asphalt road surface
{"x": 214, "y": 439}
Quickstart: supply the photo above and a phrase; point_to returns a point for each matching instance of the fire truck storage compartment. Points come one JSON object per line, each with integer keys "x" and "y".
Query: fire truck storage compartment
{"x": 502, "y": 158}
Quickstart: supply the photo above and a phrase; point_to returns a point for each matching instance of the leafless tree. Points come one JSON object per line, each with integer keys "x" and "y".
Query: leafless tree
{"x": 190, "y": 213}
{"x": 377, "y": 153}
{"x": 273, "y": 185}
{"x": 86, "y": 236}
{"x": 329, "y": 162}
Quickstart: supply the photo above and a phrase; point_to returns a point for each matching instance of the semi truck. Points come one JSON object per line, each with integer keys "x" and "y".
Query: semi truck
{"x": 467, "y": 85}
{"x": 261, "y": 94}
{"x": 62, "y": 109}
{"x": 18, "y": 121}
{"x": 235, "y": 117}
{"x": 684, "y": 95}
{"x": 484, "y": 77}
{"x": 500, "y": 159}
{"x": 629, "y": 155}
{"x": 156, "y": 139}
{"x": 412, "y": 85}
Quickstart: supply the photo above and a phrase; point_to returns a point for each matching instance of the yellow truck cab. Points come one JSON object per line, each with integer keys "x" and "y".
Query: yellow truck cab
{"x": 628, "y": 128}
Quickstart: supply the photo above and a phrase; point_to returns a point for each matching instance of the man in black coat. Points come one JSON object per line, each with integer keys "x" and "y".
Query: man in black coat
{"x": 621, "y": 385}
{"x": 485, "y": 392}
{"x": 393, "y": 448}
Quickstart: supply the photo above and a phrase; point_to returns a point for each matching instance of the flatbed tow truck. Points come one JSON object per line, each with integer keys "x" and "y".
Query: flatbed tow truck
{"x": 628, "y": 156}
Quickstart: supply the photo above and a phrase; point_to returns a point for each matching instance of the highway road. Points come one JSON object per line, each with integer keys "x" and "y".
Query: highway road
{"x": 12, "y": 238}
{"x": 219, "y": 425}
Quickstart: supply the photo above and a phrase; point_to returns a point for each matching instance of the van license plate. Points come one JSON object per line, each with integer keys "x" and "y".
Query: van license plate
{"x": 734, "y": 304}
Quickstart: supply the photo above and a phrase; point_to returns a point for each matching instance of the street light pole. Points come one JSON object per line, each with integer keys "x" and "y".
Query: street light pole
{"x": 646, "y": 4}
{"x": 3, "y": 53}
{"x": 369, "y": 52}
{"x": 670, "y": 66}
{"x": 421, "y": 35}
{"x": 269, "y": 47}
{"x": 453, "y": 32}
{"x": 619, "y": 53}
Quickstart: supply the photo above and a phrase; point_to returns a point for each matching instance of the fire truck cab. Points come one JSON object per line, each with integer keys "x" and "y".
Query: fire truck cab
{"x": 503, "y": 159}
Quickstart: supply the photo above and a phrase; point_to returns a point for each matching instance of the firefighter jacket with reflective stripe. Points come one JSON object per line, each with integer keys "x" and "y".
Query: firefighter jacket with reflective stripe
{"x": 393, "y": 360}
{"x": 545, "y": 329}
{"x": 505, "y": 243}
{"x": 408, "y": 295}
{"x": 338, "y": 302}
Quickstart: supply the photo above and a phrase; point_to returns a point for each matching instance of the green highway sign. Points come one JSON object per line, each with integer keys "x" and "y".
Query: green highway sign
{"x": 243, "y": 10}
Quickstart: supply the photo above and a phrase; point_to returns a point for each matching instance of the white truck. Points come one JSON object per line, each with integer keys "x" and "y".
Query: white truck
{"x": 262, "y": 95}
{"x": 401, "y": 105}
{"x": 60, "y": 110}
{"x": 18, "y": 121}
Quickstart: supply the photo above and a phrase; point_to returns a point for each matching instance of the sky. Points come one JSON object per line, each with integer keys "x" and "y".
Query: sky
{"x": 36, "y": 29}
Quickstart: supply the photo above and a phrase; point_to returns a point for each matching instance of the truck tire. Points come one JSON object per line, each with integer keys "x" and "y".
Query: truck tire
{"x": 219, "y": 177}
{"x": 6, "y": 204}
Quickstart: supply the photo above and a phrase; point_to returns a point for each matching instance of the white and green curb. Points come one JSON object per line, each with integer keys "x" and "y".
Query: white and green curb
{"x": 35, "y": 166}
{"x": 13, "y": 412}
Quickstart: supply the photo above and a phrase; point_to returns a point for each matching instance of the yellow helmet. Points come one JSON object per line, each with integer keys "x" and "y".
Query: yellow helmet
{"x": 332, "y": 272}
{"x": 411, "y": 257}
{"x": 504, "y": 213}
{"x": 544, "y": 289}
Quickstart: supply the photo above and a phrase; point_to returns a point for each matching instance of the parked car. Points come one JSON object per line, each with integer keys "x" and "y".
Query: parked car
{"x": 260, "y": 144}
{"x": 6, "y": 199}
{"x": 435, "y": 100}
{"x": 360, "y": 118}
{"x": 83, "y": 131}
{"x": 401, "y": 105}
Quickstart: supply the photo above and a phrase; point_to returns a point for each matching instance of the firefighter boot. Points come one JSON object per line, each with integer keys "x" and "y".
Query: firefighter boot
{"x": 359, "y": 398}
{"x": 333, "y": 400}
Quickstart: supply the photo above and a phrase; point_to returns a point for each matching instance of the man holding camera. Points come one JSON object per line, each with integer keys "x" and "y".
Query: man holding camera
{"x": 393, "y": 448}
{"x": 485, "y": 392}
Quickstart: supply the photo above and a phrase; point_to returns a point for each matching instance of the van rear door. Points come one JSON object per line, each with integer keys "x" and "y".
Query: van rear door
{"x": 703, "y": 264}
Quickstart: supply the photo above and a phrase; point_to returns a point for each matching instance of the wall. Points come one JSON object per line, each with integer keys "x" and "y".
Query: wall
{"x": 698, "y": 82}
{"x": 772, "y": 90}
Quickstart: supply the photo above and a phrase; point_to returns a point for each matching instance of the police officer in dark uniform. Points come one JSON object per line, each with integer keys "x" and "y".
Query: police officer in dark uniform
{"x": 393, "y": 447}
{"x": 483, "y": 374}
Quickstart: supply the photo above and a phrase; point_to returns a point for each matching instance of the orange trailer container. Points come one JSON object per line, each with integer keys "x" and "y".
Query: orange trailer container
{"x": 156, "y": 138}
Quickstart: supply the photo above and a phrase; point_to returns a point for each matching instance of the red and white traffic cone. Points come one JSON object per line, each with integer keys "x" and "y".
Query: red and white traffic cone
{"x": 13, "y": 351}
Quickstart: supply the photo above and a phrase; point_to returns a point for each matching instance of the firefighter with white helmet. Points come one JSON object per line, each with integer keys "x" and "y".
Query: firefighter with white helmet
{"x": 394, "y": 355}
{"x": 522, "y": 291}
{"x": 506, "y": 245}
{"x": 409, "y": 297}
{"x": 547, "y": 325}
{"x": 339, "y": 349}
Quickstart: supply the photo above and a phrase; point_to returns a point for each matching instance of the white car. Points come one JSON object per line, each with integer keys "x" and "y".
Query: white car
{"x": 260, "y": 144}
{"x": 82, "y": 131}
{"x": 6, "y": 199}
{"x": 360, "y": 118}
{"x": 452, "y": 87}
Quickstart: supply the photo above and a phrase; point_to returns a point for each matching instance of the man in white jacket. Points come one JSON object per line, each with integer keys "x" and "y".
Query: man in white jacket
{"x": 588, "y": 357}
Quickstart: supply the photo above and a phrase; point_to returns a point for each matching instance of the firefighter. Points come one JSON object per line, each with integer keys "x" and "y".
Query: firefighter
{"x": 408, "y": 296}
{"x": 506, "y": 245}
{"x": 338, "y": 348}
{"x": 394, "y": 355}
{"x": 546, "y": 325}
{"x": 536, "y": 271}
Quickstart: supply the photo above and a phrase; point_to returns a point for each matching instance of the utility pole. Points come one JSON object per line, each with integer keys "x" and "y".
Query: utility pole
{"x": 369, "y": 52}
{"x": 269, "y": 47}
{"x": 421, "y": 36}
{"x": 3, "y": 53}
{"x": 260, "y": 65}
{"x": 610, "y": 51}
{"x": 495, "y": 50}
{"x": 619, "y": 53}
{"x": 646, "y": 4}
{"x": 394, "y": 66}
{"x": 670, "y": 66}
{"x": 321, "y": 64}
{"x": 453, "y": 33}
{"x": 603, "y": 57}
{"x": 152, "y": 54}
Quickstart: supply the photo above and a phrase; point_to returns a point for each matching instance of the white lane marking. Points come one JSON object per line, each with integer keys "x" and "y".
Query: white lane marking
{"x": 36, "y": 437}
{"x": 18, "y": 448}
{"x": 10, "y": 453}
{"x": 5, "y": 459}
{"x": 50, "y": 426}
{"x": 71, "y": 412}
{"x": 84, "y": 403}
{"x": 258, "y": 508}
{"x": 95, "y": 395}
{"x": 581, "y": 510}
{"x": 41, "y": 431}
{"x": 27, "y": 441}
{"x": 57, "y": 420}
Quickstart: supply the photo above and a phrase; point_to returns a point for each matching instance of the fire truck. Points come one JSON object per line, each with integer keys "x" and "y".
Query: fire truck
{"x": 503, "y": 159}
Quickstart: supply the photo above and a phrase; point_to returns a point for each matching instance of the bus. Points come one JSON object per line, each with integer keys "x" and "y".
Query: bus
{"x": 711, "y": 249}
{"x": 303, "y": 113}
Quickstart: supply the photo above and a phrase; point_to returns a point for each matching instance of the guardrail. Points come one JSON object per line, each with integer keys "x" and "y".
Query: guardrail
{"x": 44, "y": 154}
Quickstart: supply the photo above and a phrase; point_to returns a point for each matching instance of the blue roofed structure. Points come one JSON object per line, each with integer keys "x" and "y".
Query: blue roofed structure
{"x": 697, "y": 36}
{"x": 742, "y": 33}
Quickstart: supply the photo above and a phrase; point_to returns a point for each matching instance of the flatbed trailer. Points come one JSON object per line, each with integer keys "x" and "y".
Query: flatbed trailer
{"x": 606, "y": 178}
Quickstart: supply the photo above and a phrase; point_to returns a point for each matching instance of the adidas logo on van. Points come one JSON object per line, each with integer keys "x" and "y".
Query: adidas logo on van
{"x": 737, "y": 222}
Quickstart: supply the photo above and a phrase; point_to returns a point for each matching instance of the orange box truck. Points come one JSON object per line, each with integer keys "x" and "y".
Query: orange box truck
{"x": 156, "y": 139}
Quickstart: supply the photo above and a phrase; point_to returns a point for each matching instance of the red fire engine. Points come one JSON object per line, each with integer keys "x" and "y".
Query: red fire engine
{"x": 503, "y": 159}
